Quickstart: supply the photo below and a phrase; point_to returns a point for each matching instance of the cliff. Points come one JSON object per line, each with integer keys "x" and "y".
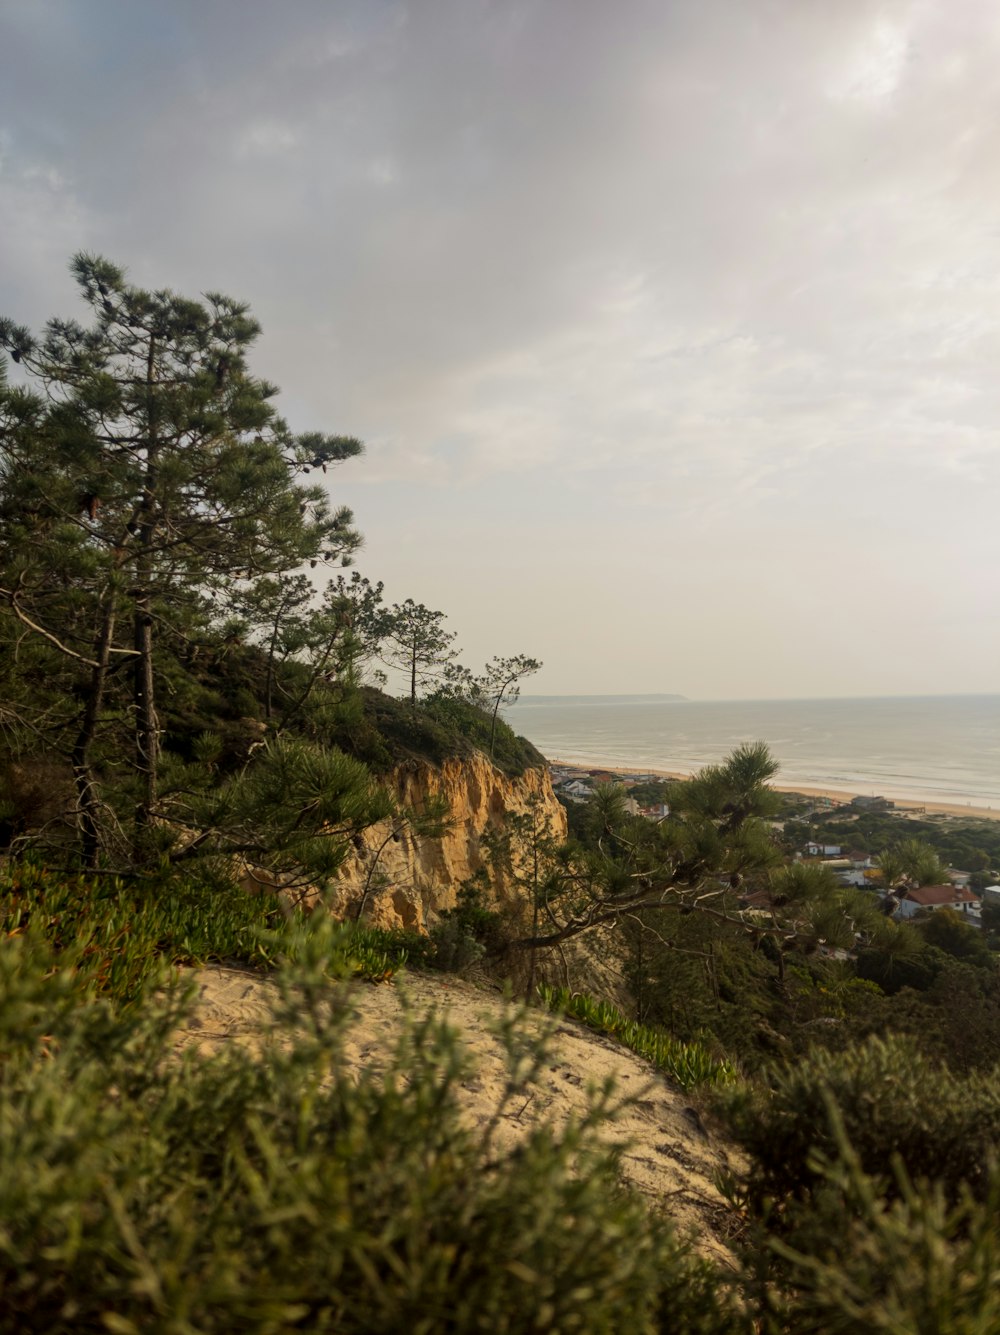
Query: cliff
{"x": 401, "y": 878}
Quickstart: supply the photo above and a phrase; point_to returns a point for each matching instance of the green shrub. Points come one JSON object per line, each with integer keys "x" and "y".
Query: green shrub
{"x": 891, "y": 1100}
{"x": 385, "y": 732}
{"x": 282, "y": 1191}
{"x": 511, "y": 753}
{"x": 126, "y": 930}
{"x": 464, "y": 934}
{"x": 918, "y": 1263}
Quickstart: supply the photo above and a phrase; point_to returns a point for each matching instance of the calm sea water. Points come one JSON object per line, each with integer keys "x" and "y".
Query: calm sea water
{"x": 935, "y": 748}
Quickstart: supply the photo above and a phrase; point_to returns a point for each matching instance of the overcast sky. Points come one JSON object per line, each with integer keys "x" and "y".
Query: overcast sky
{"x": 672, "y": 329}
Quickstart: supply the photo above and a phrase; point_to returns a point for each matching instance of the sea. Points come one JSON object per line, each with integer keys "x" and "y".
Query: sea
{"x": 942, "y": 748}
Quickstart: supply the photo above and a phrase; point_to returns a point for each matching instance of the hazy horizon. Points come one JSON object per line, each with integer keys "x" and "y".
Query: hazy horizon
{"x": 745, "y": 699}
{"x": 939, "y": 748}
{"x": 672, "y": 330}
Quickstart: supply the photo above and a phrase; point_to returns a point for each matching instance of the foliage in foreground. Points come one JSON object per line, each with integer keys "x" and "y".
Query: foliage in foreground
{"x": 277, "y": 1191}
{"x": 915, "y": 1263}
{"x": 281, "y": 1190}
{"x": 686, "y": 1064}
{"x": 891, "y": 1103}
{"x": 871, "y": 1195}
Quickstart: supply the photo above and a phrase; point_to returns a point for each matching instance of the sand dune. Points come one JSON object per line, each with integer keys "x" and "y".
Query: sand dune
{"x": 670, "y": 1156}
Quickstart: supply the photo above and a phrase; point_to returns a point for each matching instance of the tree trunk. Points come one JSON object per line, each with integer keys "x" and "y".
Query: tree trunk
{"x": 83, "y": 777}
{"x": 146, "y": 728}
{"x": 147, "y": 741}
{"x": 529, "y": 991}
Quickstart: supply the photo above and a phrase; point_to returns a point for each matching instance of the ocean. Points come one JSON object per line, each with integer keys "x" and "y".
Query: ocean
{"x": 928, "y": 748}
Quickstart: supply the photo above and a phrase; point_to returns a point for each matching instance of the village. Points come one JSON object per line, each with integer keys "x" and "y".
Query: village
{"x": 852, "y": 866}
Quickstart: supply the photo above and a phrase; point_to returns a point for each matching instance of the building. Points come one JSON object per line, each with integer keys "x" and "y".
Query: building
{"x": 930, "y": 897}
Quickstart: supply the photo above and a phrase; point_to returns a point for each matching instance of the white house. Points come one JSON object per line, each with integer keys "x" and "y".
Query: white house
{"x": 814, "y": 850}
{"x": 931, "y": 897}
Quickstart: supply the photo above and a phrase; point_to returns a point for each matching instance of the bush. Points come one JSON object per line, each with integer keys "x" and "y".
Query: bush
{"x": 891, "y": 1102}
{"x": 916, "y": 1265}
{"x": 464, "y": 934}
{"x": 280, "y": 1191}
{"x": 126, "y": 930}
{"x": 511, "y": 753}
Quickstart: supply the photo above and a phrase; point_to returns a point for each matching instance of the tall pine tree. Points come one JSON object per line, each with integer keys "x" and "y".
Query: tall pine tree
{"x": 145, "y": 477}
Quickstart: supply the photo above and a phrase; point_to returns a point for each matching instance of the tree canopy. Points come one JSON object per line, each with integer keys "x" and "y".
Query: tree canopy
{"x": 147, "y": 487}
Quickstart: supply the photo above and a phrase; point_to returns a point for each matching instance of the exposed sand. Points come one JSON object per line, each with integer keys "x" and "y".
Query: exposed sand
{"x": 903, "y": 805}
{"x": 670, "y": 1156}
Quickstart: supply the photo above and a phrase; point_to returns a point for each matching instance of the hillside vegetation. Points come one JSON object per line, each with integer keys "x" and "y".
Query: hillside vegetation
{"x": 181, "y": 702}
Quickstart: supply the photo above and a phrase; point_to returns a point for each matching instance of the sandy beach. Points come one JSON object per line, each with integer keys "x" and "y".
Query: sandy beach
{"x": 902, "y": 805}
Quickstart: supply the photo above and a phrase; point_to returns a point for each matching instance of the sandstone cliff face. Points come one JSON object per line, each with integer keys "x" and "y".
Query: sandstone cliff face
{"x": 404, "y": 879}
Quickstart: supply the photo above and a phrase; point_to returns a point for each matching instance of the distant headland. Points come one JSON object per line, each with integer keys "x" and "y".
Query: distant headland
{"x": 649, "y": 697}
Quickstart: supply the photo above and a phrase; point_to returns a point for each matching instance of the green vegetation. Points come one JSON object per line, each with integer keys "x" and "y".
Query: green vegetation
{"x": 870, "y": 1198}
{"x": 973, "y": 845}
{"x": 125, "y": 932}
{"x": 688, "y": 1065}
{"x": 175, "y": 688}
{"x": 283, "y": 1189}
{"x": 182, "y": 709}
{"x": 893, "y": 1106}
{"x": 277, "y": 1191}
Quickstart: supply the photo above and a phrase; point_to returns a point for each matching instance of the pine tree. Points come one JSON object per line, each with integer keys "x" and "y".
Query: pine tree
{"x": 413, "y": 638}
{"x": 145, "y": 478}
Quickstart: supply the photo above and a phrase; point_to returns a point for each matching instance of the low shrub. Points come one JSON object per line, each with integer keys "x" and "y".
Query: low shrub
{"x": 463, "y": 935}
{"x": 914, "y": 1262}
{"x": 127, "y": 928}
{"x": 283, "y": 1191}
{"x": 892, "y": 1102}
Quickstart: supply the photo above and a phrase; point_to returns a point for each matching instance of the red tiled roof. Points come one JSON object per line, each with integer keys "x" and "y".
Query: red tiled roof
{"x": 933, "y": 896}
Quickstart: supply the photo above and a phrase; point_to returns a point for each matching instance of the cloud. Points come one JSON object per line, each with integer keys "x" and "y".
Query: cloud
{"x": 715, "y": 265}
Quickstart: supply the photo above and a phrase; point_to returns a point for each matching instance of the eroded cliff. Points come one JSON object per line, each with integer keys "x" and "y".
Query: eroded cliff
{"x": 400, "y": 878}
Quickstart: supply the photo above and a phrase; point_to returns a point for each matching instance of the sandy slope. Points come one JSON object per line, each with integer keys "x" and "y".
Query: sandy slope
{"x": 670, "y": 1157}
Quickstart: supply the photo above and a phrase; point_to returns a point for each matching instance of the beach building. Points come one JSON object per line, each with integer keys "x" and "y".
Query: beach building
{"x": 872, "y": 803}
{"x": 927, "y": 898}
{"x": 655, "y": 811}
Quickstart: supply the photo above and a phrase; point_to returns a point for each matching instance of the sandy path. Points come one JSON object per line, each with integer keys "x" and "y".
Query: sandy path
{"x": 669, "y": 1156}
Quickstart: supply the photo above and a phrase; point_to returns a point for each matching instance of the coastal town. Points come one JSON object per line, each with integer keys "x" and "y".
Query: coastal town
{"x": 963, "y": 891}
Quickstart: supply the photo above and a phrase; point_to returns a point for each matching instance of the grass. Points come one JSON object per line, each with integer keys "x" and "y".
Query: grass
{"x": 125, "y": 930}
{"x": 687, "y": 1064}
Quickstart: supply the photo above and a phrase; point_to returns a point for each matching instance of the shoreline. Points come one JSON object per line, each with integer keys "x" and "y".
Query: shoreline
{"x": 902, "y": 806}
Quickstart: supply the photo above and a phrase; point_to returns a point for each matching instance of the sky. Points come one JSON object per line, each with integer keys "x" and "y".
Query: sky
{"x": 672, "y": 327}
